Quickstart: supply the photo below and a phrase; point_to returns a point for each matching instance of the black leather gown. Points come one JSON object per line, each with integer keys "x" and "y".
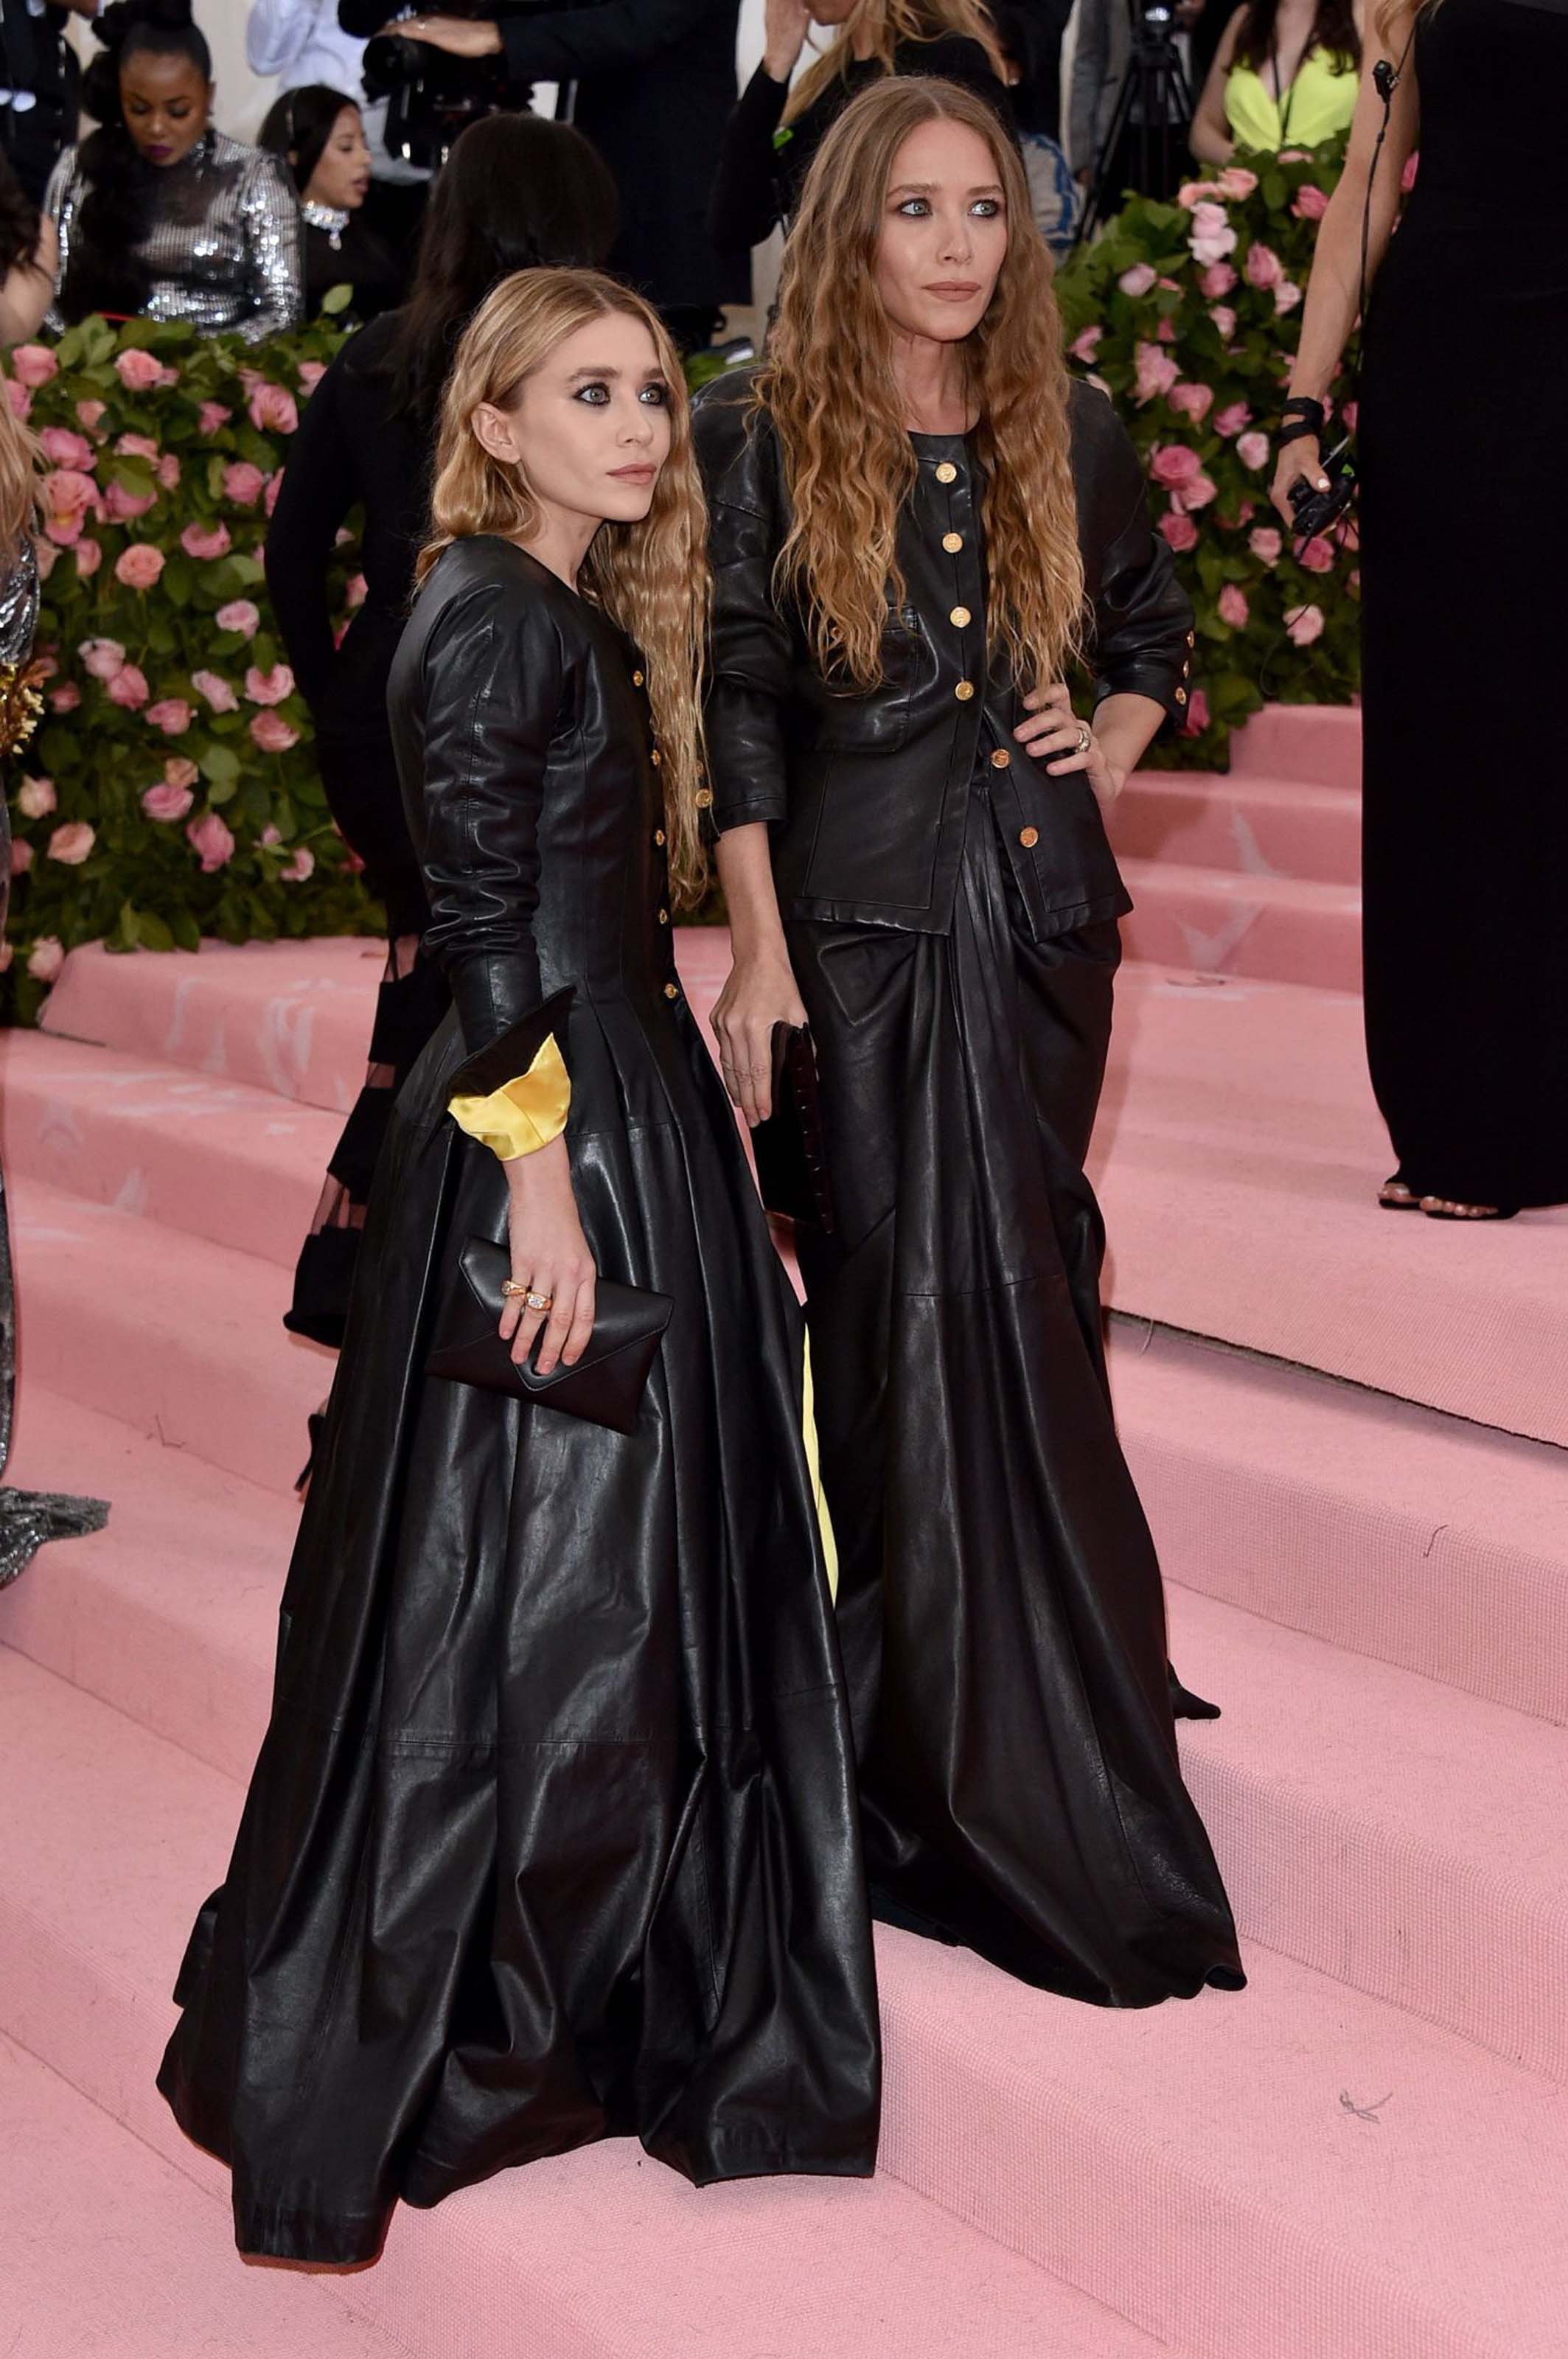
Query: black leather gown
{"x": 951, "y": 915}
{"x": 553, "y": 1834}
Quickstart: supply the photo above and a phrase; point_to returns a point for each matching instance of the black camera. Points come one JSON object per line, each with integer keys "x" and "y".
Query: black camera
{"x": 1315, "y": 511}
{"x": 432, "y": 96}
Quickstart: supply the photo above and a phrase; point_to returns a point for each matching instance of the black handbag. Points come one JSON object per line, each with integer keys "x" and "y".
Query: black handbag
{"x": 791, "y": 1161}
{"x": 606, "y": 1385}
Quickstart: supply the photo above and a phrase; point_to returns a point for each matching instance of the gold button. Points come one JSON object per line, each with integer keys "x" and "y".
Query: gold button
{"x": 960, "y": 615}
{"x": 655, "y": 758}
{"x": 664, "y": 917}
{"x": 1001, "y": 758}
{"x": 704, "y": 799}
{"x": 1192, "y": 638}
{"x": 673, "y": 991}
{"x": 947, "y": 473}
{"x": 953, "y": 542}
{"x": 1181, "y": 696}
{"x": 964, "y": 691}
{"x": 1030, "y": 838}
{"x": 637, "y": 680}
{"x": 659, "y": 835}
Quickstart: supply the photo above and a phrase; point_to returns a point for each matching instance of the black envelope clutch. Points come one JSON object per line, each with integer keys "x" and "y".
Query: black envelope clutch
{"x": 606, "y": 1385}
{"x": 791, "y": 1162}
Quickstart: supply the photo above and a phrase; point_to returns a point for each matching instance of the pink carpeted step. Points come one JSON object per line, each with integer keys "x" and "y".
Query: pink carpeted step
{"x": 110, "y": 2252}
{"x": 177, "y": 1337}
{"x": 1316, "y": 742}
{"x": 1237, "y": 1158}
{"x": 1260, "y": 827}
{"x": 211, "y": 1158}
{"x": 1220, "y": 921}
{"x": 1418, "y": 1539}
{"x": 597, "y": 2255}
{"x": 1298, "y": 2169}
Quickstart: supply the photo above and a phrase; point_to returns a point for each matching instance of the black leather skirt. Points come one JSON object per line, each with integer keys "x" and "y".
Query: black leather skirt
{"x": 1000, "y": 1607}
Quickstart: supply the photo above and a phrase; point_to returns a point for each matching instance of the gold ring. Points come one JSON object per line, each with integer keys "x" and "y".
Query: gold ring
{"x": 511, "y": 1289}
{"x": 540, "y": 1301}
{"x": 1084, "y": 737}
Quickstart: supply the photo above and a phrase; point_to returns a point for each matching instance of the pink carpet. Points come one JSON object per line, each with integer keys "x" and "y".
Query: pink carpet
{"x": 1366, "y": 2152}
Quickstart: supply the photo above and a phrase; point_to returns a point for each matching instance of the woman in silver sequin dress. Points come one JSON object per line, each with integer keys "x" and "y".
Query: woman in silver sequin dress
{"x": 159, "y": 214}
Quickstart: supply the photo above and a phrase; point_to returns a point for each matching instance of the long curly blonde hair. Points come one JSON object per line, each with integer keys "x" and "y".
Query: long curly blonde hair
{"x": 888, "y": 22}
{"x": 828, "y": 384}
{"x": 652, "y": 578}
{"x": 1396, "y": 19}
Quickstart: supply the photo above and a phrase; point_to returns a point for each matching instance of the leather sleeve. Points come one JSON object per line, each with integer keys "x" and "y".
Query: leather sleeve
{"x": 1141, "y": 613}
{"x": 752, "y": 666}
{"x": 493, "y": 681}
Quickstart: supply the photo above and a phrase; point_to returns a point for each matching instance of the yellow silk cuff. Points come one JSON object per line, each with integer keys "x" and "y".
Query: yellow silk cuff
{"x": 521, "y": 1116}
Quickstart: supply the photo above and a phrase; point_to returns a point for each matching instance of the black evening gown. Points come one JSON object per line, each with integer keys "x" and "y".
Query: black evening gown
{"x": 553, "y": 1834}
{"x": 354, "y": 449}
{"x": 1466, "y": 734}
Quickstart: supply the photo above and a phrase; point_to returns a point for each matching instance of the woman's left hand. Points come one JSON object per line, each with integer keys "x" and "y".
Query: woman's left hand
{"x": 1054, "y": 735}
{"x": 464, "y": 37}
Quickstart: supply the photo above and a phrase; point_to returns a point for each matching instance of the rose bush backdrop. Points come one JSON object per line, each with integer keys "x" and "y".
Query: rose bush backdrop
{"x": 1189, "y": 315}
{"x": 170, "y": 791}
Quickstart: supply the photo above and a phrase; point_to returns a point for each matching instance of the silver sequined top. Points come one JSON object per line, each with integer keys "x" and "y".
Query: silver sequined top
{"x": 225, "y": 250}
{"x": 18, "y": 606}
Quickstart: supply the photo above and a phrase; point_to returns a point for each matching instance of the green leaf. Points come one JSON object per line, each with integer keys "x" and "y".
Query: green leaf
{"x": 220, "y": 765}
{"x": 336, "y": 299}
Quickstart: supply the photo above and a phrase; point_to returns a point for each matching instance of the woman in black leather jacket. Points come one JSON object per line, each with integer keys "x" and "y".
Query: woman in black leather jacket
{"x": 553, "y": 1836}
{"x": 917, "y": 519}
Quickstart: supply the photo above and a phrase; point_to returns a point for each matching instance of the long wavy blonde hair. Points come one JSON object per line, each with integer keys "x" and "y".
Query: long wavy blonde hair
{"x": 20, "y": 458}
{"x": 888, "y": 22}
{"x": 828, "y": 384}
{"x": 1396, "y": 19}
{"x": 652, "y": 578}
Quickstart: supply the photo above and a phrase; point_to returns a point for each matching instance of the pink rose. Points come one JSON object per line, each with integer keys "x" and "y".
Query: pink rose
{"x": 210, "y": 416}
{"x": 270, "y": 834}
{"x": 1263, "y": 267}
{"x": 89, "y": 557}
{"x": 61, "y": 448}
{"x": 244, "y": 483}
{"x": 1287, "y": 294}
{"x": 1317, "y": 556}
{"x": 209, "y": 836}
{"x": 168, "y": 471}
{"x": 1197, "y": 494}
{"x": 1311, "y": 202}
{"x": 1178, "y": 530}
{"x": 129, "y": 689}
{"x": 272, "y": 733}
{"x": 1408, "y": 177}
{"x": 268, "y": 686}
{"x": 274, "y": 485}
{"x": 1236, "y": 182}
{"x": 35, "y": 798}
{"x": 102, "y": 659}
{"x": 1197, "y": 719}
{"x": 66, "y": 495}
{"x": 171, "y": 714}
{"x": 33, "y": 364}
{"x": 21, "y": 856}
{"x": 1138, "y": 281}
{"x": 140, "y": 566}
{"x": 1086, "y": 344}
{"x": 91, "y": 414}
{"x": 136, "y": 446}
{"x": 179, "y": 770}
{"x": 1224, "y": 319}
{"x": 1165, "y": 333}
{"x": 1193, "y": 194}
{"x": 46, "y": 959}
{"x": 72, "y": 844}
{"x": 216, "y": 691}
{"x": 165, "y": 801}
{"x": 1252, "y": 448}
{"x": 1173, "y": 464}
{"x": 48, "y": 555}
{"x": 1232, "y": 418}
{"x": 1234, "y": 610}
{"x": 137, "y": 371}
{"x": 1157, "y": 372}
{"x": 123, "y": 507}
{"x": 1349, "y": 415}
{"x": 20, "y": 400}
{"x": 311, "y": 374}
{"x": 295, "y": 871}
{"x": 1304, "y": 625}
{"x": 272, "y": 409}
{"x": 1211, "y": 236}
{"x": 65, "y": 698}
{"x": 206, "y": 539}
{"x": 356, "y": 588}
{"x": 1267, "y": 545}
{"x": 1217, "y": 280}
{"x": 1194, "y": 401}
{"x": 239, "y": 614}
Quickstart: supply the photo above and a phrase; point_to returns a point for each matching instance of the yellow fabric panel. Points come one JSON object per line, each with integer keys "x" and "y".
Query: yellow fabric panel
{"x": 523, "y": 1115}
{"x": 814, "y": 1467}
{"x": 1317, "y": 105}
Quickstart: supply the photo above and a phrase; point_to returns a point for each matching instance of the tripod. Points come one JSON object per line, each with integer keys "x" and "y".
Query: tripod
{"x": 1145, "y": 142}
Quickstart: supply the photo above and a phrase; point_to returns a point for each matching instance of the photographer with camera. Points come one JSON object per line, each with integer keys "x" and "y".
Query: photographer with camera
{"x": 1147, "y": 150}
{"x": 655, "y": 81}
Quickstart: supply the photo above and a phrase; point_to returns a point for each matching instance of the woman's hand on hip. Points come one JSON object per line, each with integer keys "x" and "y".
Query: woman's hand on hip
{"x": 549, "y": 1258}
{"x": 1054, "y": 734}
{"x": 759, "y": 993}
{"x": 1298, "y": 462}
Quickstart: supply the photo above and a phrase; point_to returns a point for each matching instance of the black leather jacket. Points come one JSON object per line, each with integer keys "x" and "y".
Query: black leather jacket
{"x": 868, "y": 793}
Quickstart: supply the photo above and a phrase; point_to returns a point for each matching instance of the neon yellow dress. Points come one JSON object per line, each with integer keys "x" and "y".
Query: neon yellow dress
{"x": 1317, "y": 106}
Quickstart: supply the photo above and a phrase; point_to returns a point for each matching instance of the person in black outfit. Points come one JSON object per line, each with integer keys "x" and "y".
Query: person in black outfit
{"x": 321, "y": 137}
{"x": 40, "y": 83}
{"x": 515, "y": 192}
{"x": 654, "y": 82}
{"x": 775, "y": 132}
{"x": 915, "y": 862}
{"x": 553, "y": 1836}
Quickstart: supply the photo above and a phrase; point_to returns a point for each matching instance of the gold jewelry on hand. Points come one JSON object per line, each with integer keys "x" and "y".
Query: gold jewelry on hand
{"x": 1085, "y": 736}
{"x": 540, "y": 1301}
{"x": 511, "y": 1289}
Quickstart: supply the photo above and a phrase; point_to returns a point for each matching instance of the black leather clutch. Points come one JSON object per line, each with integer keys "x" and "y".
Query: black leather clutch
{"x": 791, "y": 1162}
{"x": 606, "y": 1385}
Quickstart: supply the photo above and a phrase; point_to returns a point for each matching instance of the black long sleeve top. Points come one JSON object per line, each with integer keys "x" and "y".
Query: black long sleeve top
{"x": 760, "y": 177}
